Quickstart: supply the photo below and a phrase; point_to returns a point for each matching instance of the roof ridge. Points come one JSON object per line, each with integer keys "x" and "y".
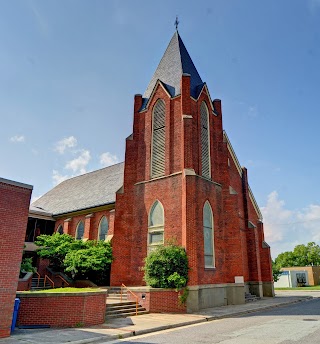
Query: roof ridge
{"x": 99, "y": 169}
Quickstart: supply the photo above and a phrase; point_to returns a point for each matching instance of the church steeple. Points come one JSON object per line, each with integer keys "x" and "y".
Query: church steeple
{"x": 175, "y": 62}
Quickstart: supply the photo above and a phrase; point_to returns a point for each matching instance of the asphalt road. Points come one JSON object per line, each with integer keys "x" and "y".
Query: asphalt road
{"x": 297, "y": 323}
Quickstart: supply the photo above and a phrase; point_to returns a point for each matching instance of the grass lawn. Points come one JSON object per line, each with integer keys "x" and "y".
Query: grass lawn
{"x": 316, "y": 287}
{"x": 65, "y": 290}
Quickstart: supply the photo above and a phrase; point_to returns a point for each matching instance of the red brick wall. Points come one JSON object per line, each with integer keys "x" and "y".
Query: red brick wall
{"x": 237, "y": 247}
{"x": 62, "y": 310}
{"x": 14, "y": 207}
{"x": 24, "y": 284}
{"x": 91, "y": 223}
{"x": 160, "y": 301}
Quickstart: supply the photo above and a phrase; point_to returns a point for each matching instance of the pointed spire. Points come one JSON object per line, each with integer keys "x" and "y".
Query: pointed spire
{"x": 175, "y": 62}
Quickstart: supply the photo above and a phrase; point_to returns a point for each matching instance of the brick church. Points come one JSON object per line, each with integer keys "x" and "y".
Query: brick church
{"x": 181, "y": 181}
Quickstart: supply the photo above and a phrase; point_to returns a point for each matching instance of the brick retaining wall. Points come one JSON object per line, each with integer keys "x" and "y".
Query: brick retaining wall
{"x": 62, "y": 309}
{"x": 157, "y": 300}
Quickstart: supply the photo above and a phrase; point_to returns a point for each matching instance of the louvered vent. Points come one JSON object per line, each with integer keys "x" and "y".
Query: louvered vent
{"x": 158, "y": 140}
{"x": 205, "y": 151}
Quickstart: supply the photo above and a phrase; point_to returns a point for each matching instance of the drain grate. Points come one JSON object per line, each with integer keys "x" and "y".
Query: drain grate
{"x": 310, "y": 319}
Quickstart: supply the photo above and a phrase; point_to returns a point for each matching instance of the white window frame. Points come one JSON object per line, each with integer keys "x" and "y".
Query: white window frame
{"x": 81, "y": 221}
{"x": 157, "y": 228}
{"x": 208, "y": 206}
{"x": 99, "y": 228}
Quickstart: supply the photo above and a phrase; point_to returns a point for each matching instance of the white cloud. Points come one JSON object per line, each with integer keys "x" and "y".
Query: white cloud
{"x": 17, "y": 138}
{"x": 284, "y": 228}
{"x": 58, "y": 178}
{"x": 107, "y": 159}
{"x": 79, "y": 164}
{"x": 68, "y": 142}
{"x": 275, "y": 214}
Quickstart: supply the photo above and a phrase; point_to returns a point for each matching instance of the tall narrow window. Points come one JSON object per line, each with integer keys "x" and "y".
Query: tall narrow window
{"x": 208, "y": 236}
{"x": 205, "y": 141}
{"x": 103, "y": 228}
{"x": 156, "y": 225}
{"x": 80, "y": 231}
{"x": 60, "y": 229}
{"x": 158, "y": 139}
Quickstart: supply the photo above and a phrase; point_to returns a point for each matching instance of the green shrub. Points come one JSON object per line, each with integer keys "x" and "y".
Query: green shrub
{"x": 78, "y": 258}
{"x": 26, "y": 266}
{"x": 167, "y": 267}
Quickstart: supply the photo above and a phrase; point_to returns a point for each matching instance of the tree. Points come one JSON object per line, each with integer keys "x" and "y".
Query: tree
{"x": 167, "y": 267}
{"x": 55, "y": 248}
{"x": 78, "y": 258}
{"x": 94, "y": 257}
{"x": 276, "y": 272}
{"x": 302, "y": 255}
{"x": 26, "y": 266}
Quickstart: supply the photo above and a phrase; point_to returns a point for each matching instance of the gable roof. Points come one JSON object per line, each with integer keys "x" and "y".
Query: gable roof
{"x": 86, "y": 191}
{"x": 175, "y": 62}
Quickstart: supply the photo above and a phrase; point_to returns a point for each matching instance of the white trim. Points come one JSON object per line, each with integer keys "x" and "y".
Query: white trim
{"x": 84, "y": 227}
{"x": 99, "y": 228}
{"x": 255, "y": 204}
{"x": 157, "y": 228}
{"x": 212, "y": 230}
{"x": 232, "y": 153}
{"x": 159, "y": 82}
{"x": 14, "y": 183}
{"x": 208, "y": 94}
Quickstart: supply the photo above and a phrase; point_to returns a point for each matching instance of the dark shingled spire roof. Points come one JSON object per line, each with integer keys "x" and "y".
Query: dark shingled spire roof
{"x": 175, "y": 61}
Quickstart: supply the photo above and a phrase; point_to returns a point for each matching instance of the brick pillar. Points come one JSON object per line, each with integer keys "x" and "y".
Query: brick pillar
{"x": 87, "y": 226}
{"x": 67, "y": 226}
{"x": 111, "y": 222}
{"x": 14, "y": 208}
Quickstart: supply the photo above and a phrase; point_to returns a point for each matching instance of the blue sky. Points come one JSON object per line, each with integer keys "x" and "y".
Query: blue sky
{"x": 69, "y": 70}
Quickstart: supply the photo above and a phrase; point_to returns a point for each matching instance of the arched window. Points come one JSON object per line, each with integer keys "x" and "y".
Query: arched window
{"x": 158, "y": 139}
{"x": 80, "y": 231}
{"x": 103, "y": 228}
{"x": 156, "y": 225}
{"x": 208, "y": 236}
{"x": 60, "y": 229}
{"x": 205, "y": 141}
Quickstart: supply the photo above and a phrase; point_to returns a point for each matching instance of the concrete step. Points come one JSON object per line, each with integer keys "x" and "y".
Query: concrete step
{"x": 123, "y": 309}
{"x": 124, "y": 315}
{"x": 251, "y": 298}
{"x": 121, "y": 305}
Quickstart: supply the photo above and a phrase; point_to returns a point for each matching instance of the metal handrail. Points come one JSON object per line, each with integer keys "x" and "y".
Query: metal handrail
{"x": 38, "y": 278}
{"x": 63, "y": 280}
{"x": 133, "y": 294}
{"x": 47, "y": 277}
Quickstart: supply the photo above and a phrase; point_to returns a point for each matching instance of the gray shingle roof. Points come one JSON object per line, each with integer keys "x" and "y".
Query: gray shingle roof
{"x": 86, "y": 191}
{"x": 175, "y": 61}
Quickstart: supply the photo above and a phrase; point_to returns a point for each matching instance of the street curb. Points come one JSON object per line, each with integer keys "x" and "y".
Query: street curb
{"x": 107, "y": 338}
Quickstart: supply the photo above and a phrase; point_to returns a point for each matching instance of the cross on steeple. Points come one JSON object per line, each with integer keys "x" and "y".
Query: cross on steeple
{"x": 176, "y": 23}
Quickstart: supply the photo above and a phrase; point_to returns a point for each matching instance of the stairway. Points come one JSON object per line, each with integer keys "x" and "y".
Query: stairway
{"x": 41, "y": 286}
{"x": 121, "y": 309}
{"x": 250, "y": 297}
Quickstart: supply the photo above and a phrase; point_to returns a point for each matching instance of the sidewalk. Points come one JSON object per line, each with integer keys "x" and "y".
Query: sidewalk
{"x": 127, "y": 327}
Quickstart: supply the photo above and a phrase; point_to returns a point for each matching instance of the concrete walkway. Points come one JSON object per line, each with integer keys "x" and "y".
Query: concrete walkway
{"x": 131, "y": 326}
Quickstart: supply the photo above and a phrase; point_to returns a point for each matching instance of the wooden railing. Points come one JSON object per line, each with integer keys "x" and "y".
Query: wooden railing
{"x": 133, "y": 294}
{"x": 50, "y": 280}
{"x": 63, "y": 280}
{"x": 38, "y": 278}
